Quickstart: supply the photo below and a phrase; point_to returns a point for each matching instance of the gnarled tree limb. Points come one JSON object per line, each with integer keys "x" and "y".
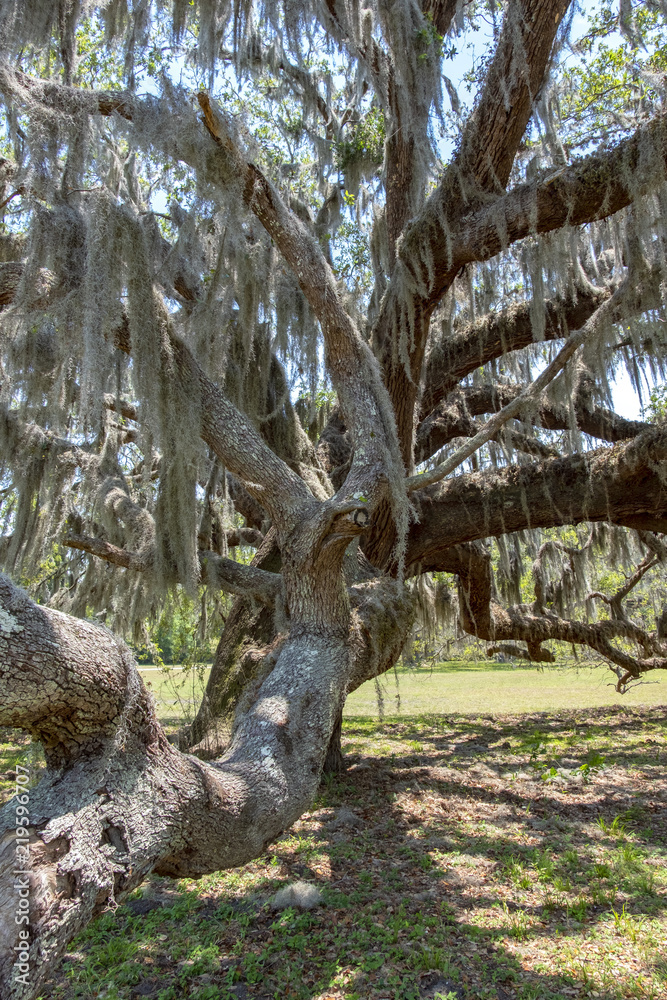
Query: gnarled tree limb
{"x": 491, "y": 137}
{"x": 121, "y": 802}
{"x": 524, "y": 400}
{"x": 216, "y": 571}
{"x": 453, "y": 418}
{"x": 498, "y": 333}
{"x": 618, "y": 484}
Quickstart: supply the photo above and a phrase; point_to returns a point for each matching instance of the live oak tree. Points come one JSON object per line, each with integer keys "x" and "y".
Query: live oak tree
{"x": 269, "y": 279}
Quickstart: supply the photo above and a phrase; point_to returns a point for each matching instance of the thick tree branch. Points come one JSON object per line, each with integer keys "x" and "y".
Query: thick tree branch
{"x": 102, "y": 819}
{"x": 426, "y": 265}
{"x": 498, "y": 122}
{"x": 122, "y": 406}
{"x": 498, "y": 333}
{"x": 110, "y": 553}
{"x": 244, "y": 536}
{"x": 526, "y": 397}
{"x": 454, "y": 418}
{"x": 406, "y": 140}
{"x": 88, "y": 672}
{"x": 245, "y": 503}
{"x": 238, "y": 578}
{"x": 591, "y": 189}
{"x": 233, "y": 438}
{"x": 518, "y": 622}
{"x": 217, "y": 571}
{"x": 482, "y": 616}
{"x": 594, "y": 188}
{"x": 621, "y": 484}
{"x": 533, "y": 652}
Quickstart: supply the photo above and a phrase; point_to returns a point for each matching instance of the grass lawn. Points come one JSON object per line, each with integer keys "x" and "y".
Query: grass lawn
{"x": 484, "y": 687}
{"x": 482, "y": 857}
{"x": 451, "y": 687}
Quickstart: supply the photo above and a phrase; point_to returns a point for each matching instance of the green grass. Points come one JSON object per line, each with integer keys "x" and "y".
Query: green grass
{"x": 451, "y": 687}
{"x": 469, "y": 874}
{"x": 493, "y": 857}
{"x": 466, "y": 688}
{"x": 177, "y": 692}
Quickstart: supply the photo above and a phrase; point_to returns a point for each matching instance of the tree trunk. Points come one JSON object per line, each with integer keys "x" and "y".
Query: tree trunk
{"x": 334, "y": 762}
{"x": 250, "y": 643}
{"x": 117, "y": 800}
{"x": 248, "y": 632}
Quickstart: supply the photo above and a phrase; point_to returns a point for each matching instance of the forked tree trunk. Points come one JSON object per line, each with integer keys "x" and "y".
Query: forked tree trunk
{"x": 118, "y": 801}
{"x": 250, "y": 643}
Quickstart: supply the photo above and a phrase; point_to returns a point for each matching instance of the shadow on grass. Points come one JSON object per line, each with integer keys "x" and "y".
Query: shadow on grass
{"x": 437, "y": 879}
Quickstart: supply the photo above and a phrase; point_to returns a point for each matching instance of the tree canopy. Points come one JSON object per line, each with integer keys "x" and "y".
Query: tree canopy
{"x": 347, "y": 284}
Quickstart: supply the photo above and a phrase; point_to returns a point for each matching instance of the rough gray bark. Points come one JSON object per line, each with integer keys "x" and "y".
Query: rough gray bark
{"x": 195, "y": 817}
{"x": 117, "y": 800}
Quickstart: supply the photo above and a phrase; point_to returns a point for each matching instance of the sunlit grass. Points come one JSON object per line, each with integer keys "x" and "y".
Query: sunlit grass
{"x": 467, "y": 874}
{"x": 449, "y": 688}
{"x": 496, "y": 856}
{"x": 474, "y": 688}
